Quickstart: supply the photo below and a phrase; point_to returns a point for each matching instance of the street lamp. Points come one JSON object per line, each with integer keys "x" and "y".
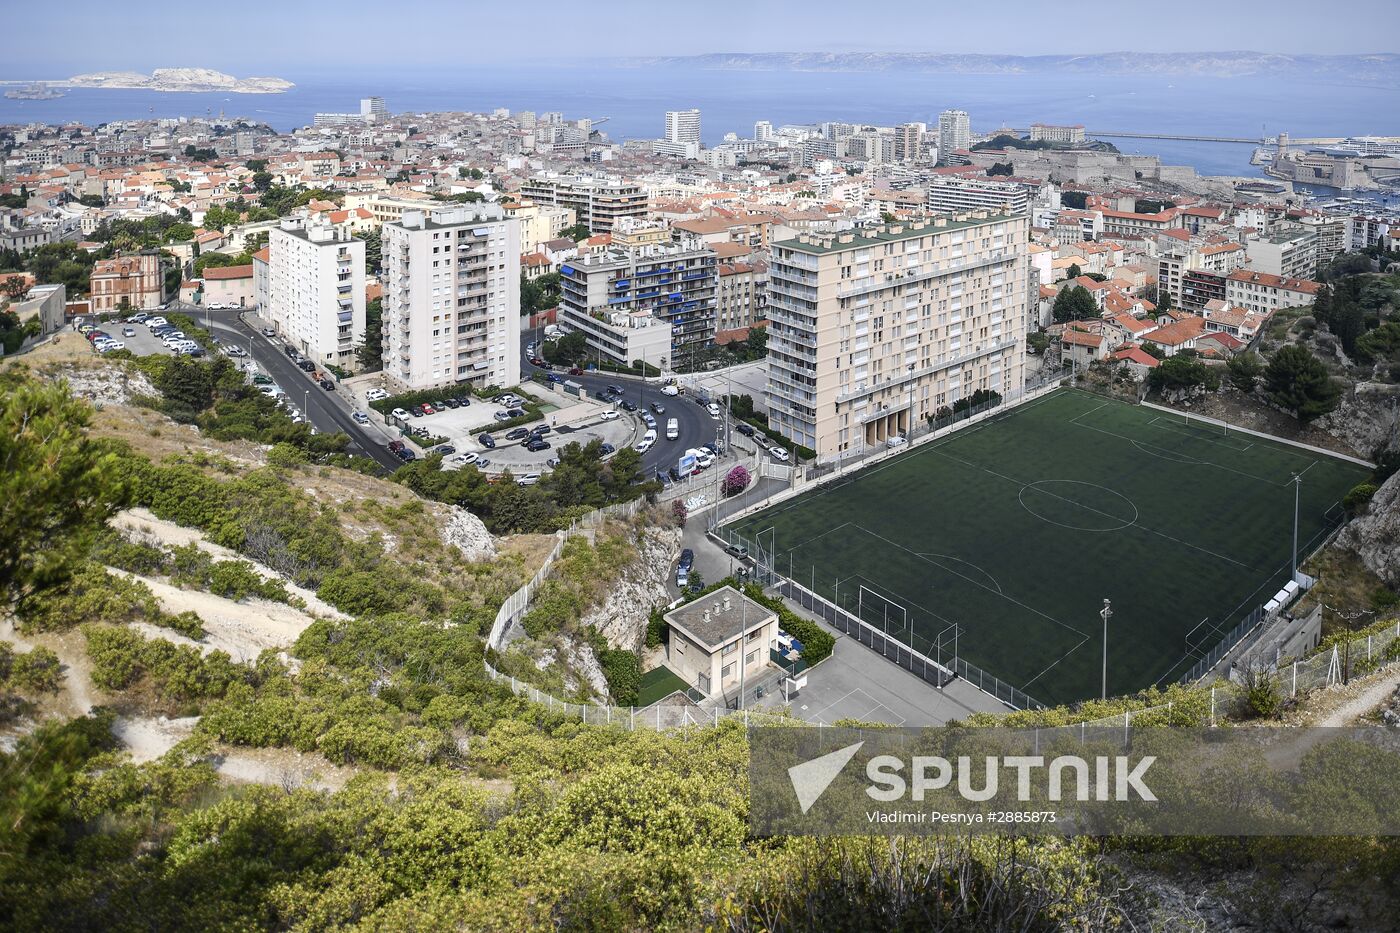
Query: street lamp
{"x": 1105, "y": 613}
{"x": 1297, "y": 488}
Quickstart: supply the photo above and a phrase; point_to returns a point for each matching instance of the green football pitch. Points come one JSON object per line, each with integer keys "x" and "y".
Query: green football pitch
{"x": 1016, "y": 529}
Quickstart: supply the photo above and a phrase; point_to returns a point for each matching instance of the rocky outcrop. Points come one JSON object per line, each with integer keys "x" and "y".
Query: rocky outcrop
{"x": 179, "y": 79}
{"x": 622, "y": 615}
{"x": 1365, "y": 419}
{"x": 466, "y": 533}
{"x": 1375, "y": 536}
{"x": 108, "y": 385}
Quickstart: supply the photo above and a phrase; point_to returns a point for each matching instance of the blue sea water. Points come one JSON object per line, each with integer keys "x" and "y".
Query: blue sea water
{"x": 635, "y": 99}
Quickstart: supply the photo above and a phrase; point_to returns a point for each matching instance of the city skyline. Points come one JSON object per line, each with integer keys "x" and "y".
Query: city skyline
{"x": 196, "y": 39}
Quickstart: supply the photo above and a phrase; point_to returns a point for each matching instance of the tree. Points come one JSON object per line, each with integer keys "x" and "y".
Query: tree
{"x": 1074, "y": 271}
{"x": 1182, "y": 373}
{"x": 1297, "y": 380}
{"x": 539, "y": 294}
{"x": 570, "y": 349}
{"x": 756, "y": 343}
{"x": 1037, "y": 341}
{"x": 371, "y": 352}
{"x": 735, "y": 481}
{"x": 59, "y": 486}
{"x": 1244, "y": 370}
{"x": 1151, "y": 349}
{"x": 577, "y": 232}
{"x": 262, "y": 181}
{"x": 1074, "y": 200}
{"x": 1000, "y": 168}
{"x": 1075, "y": 304}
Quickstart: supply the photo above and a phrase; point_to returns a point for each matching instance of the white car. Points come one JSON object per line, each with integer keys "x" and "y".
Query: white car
{"x": 111, "y": 345}
{"x": 673, "y": 429}
{"x": 643, "y": 446}
{"x": 896, "y": 441}
{"x": 608, "y": 416}
{"x": 234, "y": 349}
{"x": 155, "y": 322}
{"x": 128, "y": 332}
{"x": 400, "y": 414}
{"x": 777, "y": 453}
{"x": 374, "y": 395}
{"x": 529, "y": 479}
{"x": 360, "y": 417}
{"x": 465, "y": 459}
{"x": 670, "y": 390}
{"x": 269, "y": 332}
{"x": 713, "y": 409}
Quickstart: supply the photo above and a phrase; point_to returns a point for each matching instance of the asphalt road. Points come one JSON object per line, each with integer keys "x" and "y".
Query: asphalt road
{"x": 328, "y": 411}
{"x": 696, "y": 427}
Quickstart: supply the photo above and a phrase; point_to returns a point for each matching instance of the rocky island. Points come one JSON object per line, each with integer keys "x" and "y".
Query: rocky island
{"x": 179, "y": 79}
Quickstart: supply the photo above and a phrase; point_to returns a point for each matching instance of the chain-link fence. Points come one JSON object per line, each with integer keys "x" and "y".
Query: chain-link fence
{"x": 1352, "y": 657}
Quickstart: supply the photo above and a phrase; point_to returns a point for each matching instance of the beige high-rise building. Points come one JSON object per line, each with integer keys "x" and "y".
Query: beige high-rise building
{"x": 954, "y": 133}
{"x": 877, "y": 328}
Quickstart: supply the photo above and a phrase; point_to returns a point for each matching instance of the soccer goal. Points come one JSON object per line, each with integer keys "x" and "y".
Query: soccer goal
{"x": 883, "y": 613}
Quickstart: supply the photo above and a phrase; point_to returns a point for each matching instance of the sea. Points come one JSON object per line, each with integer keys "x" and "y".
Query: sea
{"x": 630, "y": 102}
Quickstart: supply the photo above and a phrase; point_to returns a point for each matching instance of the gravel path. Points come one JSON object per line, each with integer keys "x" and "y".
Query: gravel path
{"x": 1373, "y": 692}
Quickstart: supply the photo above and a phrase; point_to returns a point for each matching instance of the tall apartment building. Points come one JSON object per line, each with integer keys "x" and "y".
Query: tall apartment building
{"x": 949, "y": 194}
{"x": 452, "y": 300}
{"x": 908, "y": 142}
{"x": 743, "y": 294}
{"x": 316, "y": 289}
{"x": 597, "y": 202}
{"x": 876, "y": 328}
{"x": 954, "y": 132}
{"x": 372, "y": 108}
{"x": 763, "y": 131}
{"x": 683, "y": 126}
{"x": 619, "y": 296}
{"x": 1290, "y": 252}
{"x": 1331, "y": 237}
{"x": 538, "y": 224}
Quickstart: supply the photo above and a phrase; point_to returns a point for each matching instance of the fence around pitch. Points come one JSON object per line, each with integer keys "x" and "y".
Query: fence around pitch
{"x": 906, "y": 656}
{"x": 1333, "y": 520}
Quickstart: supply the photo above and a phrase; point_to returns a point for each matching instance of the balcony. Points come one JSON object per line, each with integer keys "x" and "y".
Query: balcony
{"x": 909, "y": 277}
{"x": 980, "y": 350}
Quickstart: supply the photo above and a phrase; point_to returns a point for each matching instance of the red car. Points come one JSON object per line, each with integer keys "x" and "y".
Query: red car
{"x": 427, "y": 409}
{"x": 575, "y": 371}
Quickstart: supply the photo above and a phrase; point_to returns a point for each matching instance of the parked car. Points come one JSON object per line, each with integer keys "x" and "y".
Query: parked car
{"x": 777, "y": 453}
{"x": 575, "y": 371}
{"x": 606, "y": 449}
{"x": 462, "y": 400}
{"x": 306, "y": 366}
{"x": 444, "y": 449}
{"x": 687, "y": 559}
{"x": 658, "y": 408}
{"x": 450, "y": 402}
{"x": 416, "y": 412}
{"x": 713, "y": 409}
{"x": 541, "y": 429}
{"x": 515, "y": 412}
{"x": 374, "y": 395}
{"x": 482, "y": 463}
{"x": 670, "y": 390}
{"x": 360, "y": 417}
{"x": 629, "y": 406}
{"x": 328, "y": 385}
{"x": 737, "y": 550}
{"x": 234, "y": 349}
{"x": 897, "y": 441}
{"x": 536, "y": 361}
{"x": 675, "y": 474}
{"x": 554, "y": 379}
{"x": 399, "y": 413}
{"x": 608, "y": 416}
{"x": 427, "y": 409}
{"x": 536, "y": 444}
{"x": 744, "y": 429}
{"x": 396, "y": 445}
{"x": 501, "y": 416}
{"x": 529, "y": 479}
{"x": 517, "y": 434}
{"x": 682, "y": 577}
{"x": 648, "y": 419}
{"x": 112, "y": 345}
{"x": 128, "y": 332}
{"x": 487, "y": 441}
{"x": 269, "y": 332}
{"x": 643, "y": 446}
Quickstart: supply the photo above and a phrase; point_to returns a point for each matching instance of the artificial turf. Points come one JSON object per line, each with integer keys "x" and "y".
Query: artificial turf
{"x": 1017, "y": 529}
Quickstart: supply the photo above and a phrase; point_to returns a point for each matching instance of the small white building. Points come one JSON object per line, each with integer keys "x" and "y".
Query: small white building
{"x": 710, "y": 635}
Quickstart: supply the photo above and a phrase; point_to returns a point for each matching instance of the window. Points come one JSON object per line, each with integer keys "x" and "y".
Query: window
{"x": 730, "y": 648}
{"x": 679, "y": 645}
{"x": 727, "y": 671}
{"x": 749, "y": 658}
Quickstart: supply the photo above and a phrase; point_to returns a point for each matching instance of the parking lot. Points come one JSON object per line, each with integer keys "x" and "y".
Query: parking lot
{"x": 140, "y": 342}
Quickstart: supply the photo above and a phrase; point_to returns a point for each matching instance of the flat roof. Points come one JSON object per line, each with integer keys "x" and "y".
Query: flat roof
{"x": 713, "y": 626}
{"x": 871, "y": 236}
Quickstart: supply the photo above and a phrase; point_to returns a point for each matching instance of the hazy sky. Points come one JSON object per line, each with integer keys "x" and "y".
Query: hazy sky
{"x": 299, "y": 36}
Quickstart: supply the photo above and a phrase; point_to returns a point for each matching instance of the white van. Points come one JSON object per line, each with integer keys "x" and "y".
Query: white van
{"x": 650, "y": 436}
{"x": 673, "y": 429}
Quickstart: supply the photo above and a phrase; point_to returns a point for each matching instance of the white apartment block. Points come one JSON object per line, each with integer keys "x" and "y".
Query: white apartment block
{"x": 316, "y": 290}
{"x": 877, "y": 328}
{"x": 683, "y": 126}
{"x": 954, "y": 132}
{"x": 1290, "y": 253}
{"x": 946, "y": 194}
{"x": 452, "y": 300}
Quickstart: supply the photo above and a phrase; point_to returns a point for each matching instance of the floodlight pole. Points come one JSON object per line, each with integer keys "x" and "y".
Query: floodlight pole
{"x": 1105, "y": 614}
{"x": 1297, "y": 488}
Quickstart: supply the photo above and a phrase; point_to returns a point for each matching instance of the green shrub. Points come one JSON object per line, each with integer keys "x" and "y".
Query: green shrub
{"x": 1358, "y": 497}
{"x": 623, "y": 670}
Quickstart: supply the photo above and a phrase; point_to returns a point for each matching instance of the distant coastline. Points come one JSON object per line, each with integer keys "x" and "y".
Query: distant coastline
{"x": 169, "y": 80}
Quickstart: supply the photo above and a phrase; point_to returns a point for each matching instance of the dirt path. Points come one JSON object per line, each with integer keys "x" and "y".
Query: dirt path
{"x": 149, "y": 738}
{"x": 139, "y": 523}
{"x": 1354, "y": 704}
{"x": 243, "y": 629}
